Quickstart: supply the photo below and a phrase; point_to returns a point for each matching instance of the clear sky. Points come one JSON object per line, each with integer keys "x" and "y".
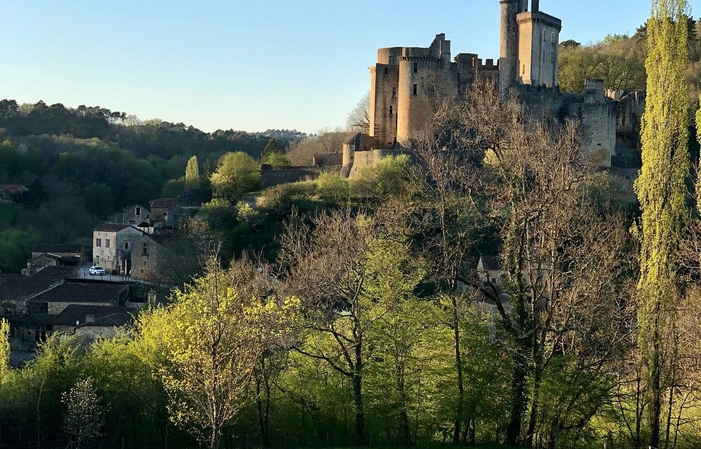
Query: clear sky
{"x": 247, "y": 65}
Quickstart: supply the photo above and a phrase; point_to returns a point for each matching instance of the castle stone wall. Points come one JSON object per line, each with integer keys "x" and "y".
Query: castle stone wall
{"x": 539, "y": 38}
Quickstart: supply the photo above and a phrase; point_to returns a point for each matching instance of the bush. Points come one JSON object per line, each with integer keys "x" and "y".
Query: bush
{"x": 388, "y": 177}
{"x": 332, "y": 188}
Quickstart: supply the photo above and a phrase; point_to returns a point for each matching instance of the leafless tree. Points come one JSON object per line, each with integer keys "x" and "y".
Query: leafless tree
{"x": 358, "y": 120}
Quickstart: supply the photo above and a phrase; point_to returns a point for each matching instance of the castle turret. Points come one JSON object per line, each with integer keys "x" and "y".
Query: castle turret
{"x": 508, "y": 55}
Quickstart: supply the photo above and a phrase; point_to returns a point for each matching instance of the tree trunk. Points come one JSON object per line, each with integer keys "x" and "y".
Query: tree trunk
{"x": 405, "y": 431}
{"x": 655, "y": 389}
{"x": 518, "y": 400}
{"x": 459, "y": 410}
{"x": 358, "y": 395}
{"x": 263, "y": 404}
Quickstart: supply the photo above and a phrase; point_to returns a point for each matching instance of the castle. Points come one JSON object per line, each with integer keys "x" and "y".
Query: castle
{"x": 406, "y": 79}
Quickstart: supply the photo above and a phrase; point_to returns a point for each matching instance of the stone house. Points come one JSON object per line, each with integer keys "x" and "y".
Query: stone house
{"x": 56, "y": 300}
{"x": 112, "y": 245}
{"x": 150, "y": 257}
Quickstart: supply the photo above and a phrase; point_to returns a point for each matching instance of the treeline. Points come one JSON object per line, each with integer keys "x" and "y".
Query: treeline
{"x": 619, "y": 60}
{"x": 87, "y": 164}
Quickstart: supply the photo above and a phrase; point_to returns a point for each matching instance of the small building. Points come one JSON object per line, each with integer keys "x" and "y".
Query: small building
{"x": 489, "y": 270}
{"x": 55, "y": 256}
{"x": 112, "y": 246}
{"x": 14, "y": 193}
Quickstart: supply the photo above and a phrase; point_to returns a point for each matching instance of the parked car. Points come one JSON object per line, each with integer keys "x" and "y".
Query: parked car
{"x": 97, "y": 271}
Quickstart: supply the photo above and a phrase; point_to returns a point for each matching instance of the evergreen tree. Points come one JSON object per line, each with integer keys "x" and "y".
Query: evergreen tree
{"x": 661, "y": 191}
{"x": 192, "y": 174}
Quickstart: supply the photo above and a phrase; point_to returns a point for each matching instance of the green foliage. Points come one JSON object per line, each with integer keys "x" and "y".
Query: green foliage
{"x": 276, "y": 160}
{"x": 8, "y": 214}
{"x": 173, "y": 188}
{"x": 99, "y": 200}
{"x": 4, "y": 351}
{"x": 237, "y": 174}
{"x": 661, "y": 191}
{"x": 205, "y": 352}
{"x": 619, "y": 61}
{"x": 192, "y": 174}
{"x": 16, "y": 248}
{"x": 388, "y": 177}
{"x": 333, "y": 188}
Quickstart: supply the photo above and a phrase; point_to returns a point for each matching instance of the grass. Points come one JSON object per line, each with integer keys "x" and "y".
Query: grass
{"x": 8, "y": 213}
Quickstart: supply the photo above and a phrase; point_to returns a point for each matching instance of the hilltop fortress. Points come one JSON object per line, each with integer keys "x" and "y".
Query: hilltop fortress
{"x": 406, "y": 79}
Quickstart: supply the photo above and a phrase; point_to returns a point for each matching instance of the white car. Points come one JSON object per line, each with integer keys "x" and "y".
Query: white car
{"x": 97, "y": 271}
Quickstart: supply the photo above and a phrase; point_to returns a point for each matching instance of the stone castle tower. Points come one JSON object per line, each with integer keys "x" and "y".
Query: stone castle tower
{"x": 529, "y": 45}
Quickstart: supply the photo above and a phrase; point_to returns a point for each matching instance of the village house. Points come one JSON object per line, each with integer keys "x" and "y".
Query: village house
{"x": 489, "y": 269}
{"x": 92, "y": 322}
{"x": 13, "y": 193}
{"x": 112, "y": 246}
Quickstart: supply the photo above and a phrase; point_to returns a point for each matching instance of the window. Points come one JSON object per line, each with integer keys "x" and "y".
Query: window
{"x": 391, "y": 110}
{"x": 523, "y": 70}
{"x": 145, "y": 250}
{"x": 98, "y": 243}
{"x": 138, "y": 211}
{"x": 416, "y": 67}
{"x": 126, "y": 245}
{"x": 416, "y": 89}
{"x": 394, "y": 93}
{"x": 107, "y": 243}
{"x": 386, "y": 70}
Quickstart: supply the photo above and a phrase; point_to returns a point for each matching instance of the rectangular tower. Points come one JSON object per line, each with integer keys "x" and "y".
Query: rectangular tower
{"x": 538, "y": 40}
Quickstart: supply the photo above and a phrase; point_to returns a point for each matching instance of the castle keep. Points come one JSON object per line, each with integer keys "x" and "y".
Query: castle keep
{"x": 406, "y": 79}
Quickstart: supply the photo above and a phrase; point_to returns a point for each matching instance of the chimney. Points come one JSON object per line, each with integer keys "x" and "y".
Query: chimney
{"x": 535, "y": 7}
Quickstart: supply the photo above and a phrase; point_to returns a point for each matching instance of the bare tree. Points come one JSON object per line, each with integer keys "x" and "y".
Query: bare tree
{"x": 358, "y": 120}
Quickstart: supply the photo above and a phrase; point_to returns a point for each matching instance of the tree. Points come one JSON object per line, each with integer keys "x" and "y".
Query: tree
{"x": 661, "y": 191}
{"x": 348, "y": 272}
{"x": 192, "y": 174}
{"x": 99, "y": 200}
{"x": 84, "y": 415}
{"x": 204, "y": 349}
{"x": 237, "y": 174}
{"x": 358, "y": 120}
{"x": 4, "y": 350}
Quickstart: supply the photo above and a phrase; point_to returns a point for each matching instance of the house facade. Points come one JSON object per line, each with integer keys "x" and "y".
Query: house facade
{"x": 112, "y": 244}
{"x": 149, "y": 257}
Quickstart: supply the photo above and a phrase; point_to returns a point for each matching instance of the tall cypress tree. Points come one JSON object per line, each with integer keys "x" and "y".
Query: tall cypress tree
{"x": 661, "y": 191}
{"x": 192, "y": 174}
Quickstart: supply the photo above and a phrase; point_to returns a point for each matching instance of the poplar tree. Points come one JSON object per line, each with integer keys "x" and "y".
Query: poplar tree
{"x": 661, "y": 191}
{"x": 4, "y": 350}
{"x": 192, "y": 174}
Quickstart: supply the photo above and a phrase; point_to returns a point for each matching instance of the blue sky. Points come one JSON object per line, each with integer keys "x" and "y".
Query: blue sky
{"x": 248, "y": 65}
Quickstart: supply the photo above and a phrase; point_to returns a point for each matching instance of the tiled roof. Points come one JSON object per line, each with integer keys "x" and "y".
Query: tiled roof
{"x": 77, "y": 292}
{"x": 113, "y": 227}
{"x": 17, "y": 287}
{"x": 102, "y": 315}
{"x": 164, "y": 203}
{"x": 491, "y": 263}
{"x": 42, "y": 248}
